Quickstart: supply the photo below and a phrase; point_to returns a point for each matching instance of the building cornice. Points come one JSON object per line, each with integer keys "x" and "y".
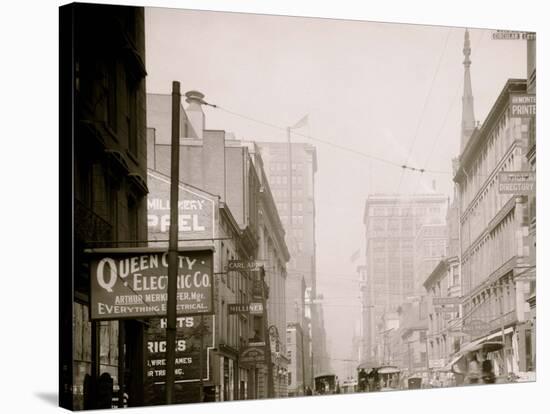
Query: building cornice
{"x": 480, "y": 135}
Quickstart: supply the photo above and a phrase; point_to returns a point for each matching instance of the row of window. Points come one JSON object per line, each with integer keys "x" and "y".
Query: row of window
{"x": 296, "y": 220}
{"x": 280, "y": 194}
{"x": 283, "y": 166}
{"x": 404, "y": 211}
{"x": 283, "y": 180}
{"x": 295, "y": 206}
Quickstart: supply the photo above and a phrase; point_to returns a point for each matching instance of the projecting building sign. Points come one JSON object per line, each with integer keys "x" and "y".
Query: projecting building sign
{"x": 449, "y": 300}
{"x": 196, "y": 211}
{"x": 243, "y": 265}
{"x": 252, "y": 356}
{"x": 517, "y": 182}
{"x": 129, "y": 284}
{"x": 523, "y": 105}
{"x": 476, "y": 327}
{"x": 253, "y": 308}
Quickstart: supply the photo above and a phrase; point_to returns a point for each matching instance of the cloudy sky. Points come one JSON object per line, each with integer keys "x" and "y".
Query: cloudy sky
{"x": 383, "y": 91}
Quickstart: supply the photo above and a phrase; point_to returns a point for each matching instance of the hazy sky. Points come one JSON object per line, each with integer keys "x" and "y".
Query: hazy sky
{"x": 380, "y": 89}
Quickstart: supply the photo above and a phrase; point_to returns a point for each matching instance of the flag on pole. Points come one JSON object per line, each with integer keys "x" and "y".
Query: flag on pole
{"x": 354, "y": 256}
{"x": 302, "y": 122}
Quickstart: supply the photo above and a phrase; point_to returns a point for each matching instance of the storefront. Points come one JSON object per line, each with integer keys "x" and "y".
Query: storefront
{"x": 99, "y": 371}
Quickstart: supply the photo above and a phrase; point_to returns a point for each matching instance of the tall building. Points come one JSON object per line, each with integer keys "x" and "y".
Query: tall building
{"x": 494, "y": 231}
{"x": 103, "y": 77}
{"x": 296, "y": 184}
{"x": 444, "y": 284}
{"x": 430, "y": 246}
{"x": 294, "y": 192}
{"x": 392, "y": 223}
{"x": 216, "y": 163}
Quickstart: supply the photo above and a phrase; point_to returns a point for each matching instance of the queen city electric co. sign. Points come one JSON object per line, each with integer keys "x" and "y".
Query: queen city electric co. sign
{"x": 131, "y": 285}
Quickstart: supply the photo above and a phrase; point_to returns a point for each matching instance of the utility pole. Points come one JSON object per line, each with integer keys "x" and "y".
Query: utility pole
{"x": 201, "y": 361}
{"x": 410, "y": 358}
{"x": 173, "y": 247}
{"x": 267, "y": 339}
{"x": 303, "y": 361}
{"x": 427, "y": 357}
{"x": 501, "y": 301}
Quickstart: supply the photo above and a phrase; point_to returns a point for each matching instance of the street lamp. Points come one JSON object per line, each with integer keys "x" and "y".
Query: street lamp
{"x": 273, "y": 332}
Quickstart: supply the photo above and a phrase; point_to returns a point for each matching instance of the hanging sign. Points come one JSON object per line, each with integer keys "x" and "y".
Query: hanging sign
{"x": 125, "y": 284}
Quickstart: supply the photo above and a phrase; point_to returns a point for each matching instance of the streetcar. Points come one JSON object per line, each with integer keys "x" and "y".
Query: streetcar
{"x": 326, "y": 384}
{"x": 378, "y": 378}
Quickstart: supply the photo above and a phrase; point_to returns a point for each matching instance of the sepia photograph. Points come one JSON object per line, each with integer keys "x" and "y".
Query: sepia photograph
{"x": 262, "y": 206}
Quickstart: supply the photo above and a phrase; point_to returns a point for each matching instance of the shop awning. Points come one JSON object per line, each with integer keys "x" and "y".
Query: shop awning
{"x": 488, "y": 343}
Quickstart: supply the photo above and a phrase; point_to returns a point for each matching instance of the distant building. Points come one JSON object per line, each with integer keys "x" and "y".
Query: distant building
{"x": 444, "y": 283}
{"x": 392, "y": 223}
{"x": 297, "y": 352}
{"x": 293, "y": 187}
{"x": 215, "y": 162}
{"x": 430, "y": 247}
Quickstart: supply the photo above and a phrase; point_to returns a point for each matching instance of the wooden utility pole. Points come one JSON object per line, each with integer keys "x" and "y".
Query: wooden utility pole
{"x": 173, "y": 247}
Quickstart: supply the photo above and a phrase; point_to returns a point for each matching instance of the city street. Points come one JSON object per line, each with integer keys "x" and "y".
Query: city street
{"x": 271, "y": 206}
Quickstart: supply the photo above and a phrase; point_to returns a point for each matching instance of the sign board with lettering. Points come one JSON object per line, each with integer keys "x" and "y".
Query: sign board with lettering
{"x": 243, "y": 265}
{"x": 188, "y": 354}
{"x": 517, "y": 182}
{"x": 132, "y": 283}
{"x": 252, "y": 356}
{"x": 476, "y": 327}
{"x": 253, "y": 308}
{"x": 238, "y": 308}
{"x": 256, "y": 308}
{"x": 446, "y": 308}
{"x": 437, "y": 363}
{"x": 448, "y": 300}
{"x": 523, "y": 105}
{"x": 188, "y": 341}
{"x": 196, "y": 215}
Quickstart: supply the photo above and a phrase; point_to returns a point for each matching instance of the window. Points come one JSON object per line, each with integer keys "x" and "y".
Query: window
{"x": 297, "y": 220}
{"x": 407, "y": 225}
{"x": 394, "y": 267}
{"x": 379, "y": 258}
{"x": 379, "y": 267}
{"x": 456, "y": 279}
{"x": 378, "y": 211}
{"x": 393, "y": 224}
{"x": 420, "y": 211}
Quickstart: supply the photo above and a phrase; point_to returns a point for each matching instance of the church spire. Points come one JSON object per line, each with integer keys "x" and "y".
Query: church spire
{"x": 468, "y": 121}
